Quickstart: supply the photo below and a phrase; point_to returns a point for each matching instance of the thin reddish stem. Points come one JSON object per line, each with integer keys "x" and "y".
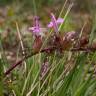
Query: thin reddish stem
{"x": 86, "y": 49}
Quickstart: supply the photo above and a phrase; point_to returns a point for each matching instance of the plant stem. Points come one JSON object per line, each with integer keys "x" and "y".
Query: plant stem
{"x": 20, "y": 61}
{"x": 50, "y": 49}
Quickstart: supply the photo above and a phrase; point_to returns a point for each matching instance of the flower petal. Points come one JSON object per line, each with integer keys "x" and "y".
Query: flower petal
{"x": 60, "y": 20}
{"x": 50, "y": 25}
{"x": 31, "y": 28}
{"x": 54, "y": 21}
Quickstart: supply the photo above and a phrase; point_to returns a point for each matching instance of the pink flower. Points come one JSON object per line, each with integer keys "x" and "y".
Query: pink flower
{"x": 36, "y": 29}
{"x": 54, "y": 23}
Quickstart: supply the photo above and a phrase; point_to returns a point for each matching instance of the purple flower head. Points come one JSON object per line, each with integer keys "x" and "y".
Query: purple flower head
{"x": 36, "y": 29}
{"x": 54, "y": 23}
